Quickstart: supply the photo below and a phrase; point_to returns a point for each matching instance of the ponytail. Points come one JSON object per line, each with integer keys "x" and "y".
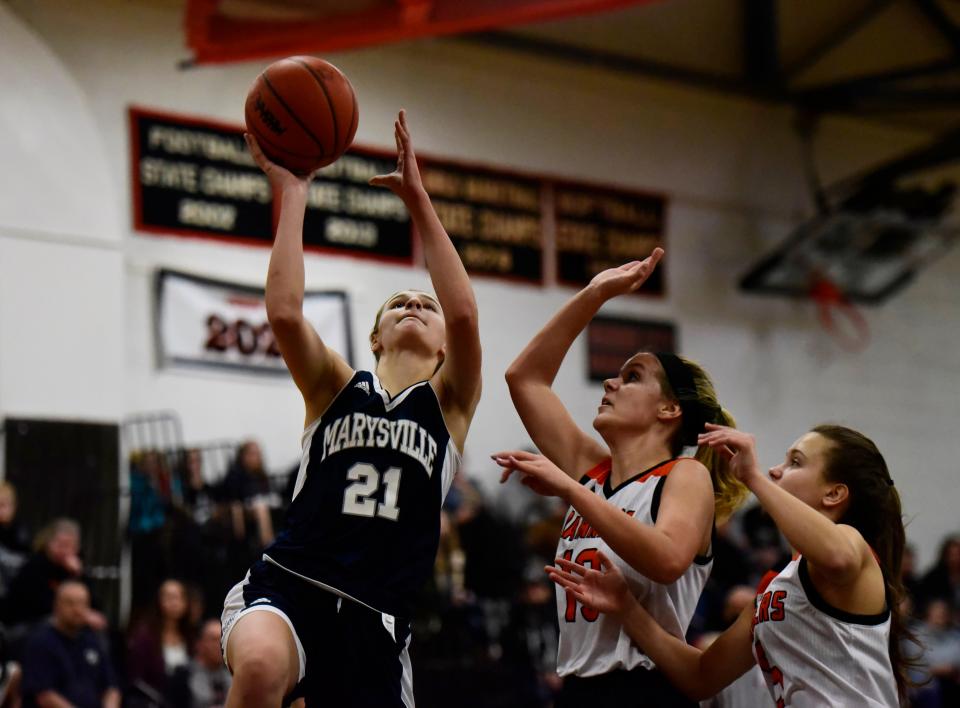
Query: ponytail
{"x": 701, "y": 400}
{"x": 875, "y": 511}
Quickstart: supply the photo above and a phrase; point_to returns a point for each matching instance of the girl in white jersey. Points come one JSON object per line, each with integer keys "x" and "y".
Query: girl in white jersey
{"x": 631, "y": 497}
{"x": 324, "y": 611}
{"x": 826, "y": 630}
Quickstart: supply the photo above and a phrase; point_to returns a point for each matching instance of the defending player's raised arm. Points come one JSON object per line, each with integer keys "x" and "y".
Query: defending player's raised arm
{"x": 318, "y": 371}
{"x": 662, "y": 551}
{"x": 458, "y": 380}
{"x": 530, "y": 376}
{"x": 699, "y": 674}
{"x": 837, "y": 550}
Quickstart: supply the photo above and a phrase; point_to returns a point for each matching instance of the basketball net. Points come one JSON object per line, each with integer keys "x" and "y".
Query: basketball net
{"x": 842, "y": 320}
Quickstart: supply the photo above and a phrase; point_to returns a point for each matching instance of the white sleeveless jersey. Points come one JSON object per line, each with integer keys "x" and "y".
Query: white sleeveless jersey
{"x": 593, "y": 643}
{"x": 812, "y": 654}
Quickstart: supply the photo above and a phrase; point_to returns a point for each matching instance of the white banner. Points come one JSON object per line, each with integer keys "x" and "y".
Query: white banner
{"x": 214, "y": 323}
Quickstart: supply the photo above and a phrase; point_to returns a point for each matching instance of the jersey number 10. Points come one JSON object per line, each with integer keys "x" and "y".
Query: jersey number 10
{"x": 359, "y": 498}
{"x": 588, "y": 557}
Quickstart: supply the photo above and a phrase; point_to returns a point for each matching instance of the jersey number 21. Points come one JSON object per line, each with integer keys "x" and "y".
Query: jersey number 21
{"x": 359, "y": 498}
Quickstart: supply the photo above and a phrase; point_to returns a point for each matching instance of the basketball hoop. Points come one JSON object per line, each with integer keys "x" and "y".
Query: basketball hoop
{"x": 839, "y": 317}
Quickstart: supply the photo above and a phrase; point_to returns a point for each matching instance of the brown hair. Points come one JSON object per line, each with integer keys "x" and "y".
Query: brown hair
{"x": 874, "y": 510}
{"x": 260, "y": 472}
{"x": 152, "y": 622}
{"x": 728, "y": 491}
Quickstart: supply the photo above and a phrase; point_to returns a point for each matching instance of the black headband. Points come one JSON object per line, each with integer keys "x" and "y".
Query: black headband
{"x": 695, "y": 411}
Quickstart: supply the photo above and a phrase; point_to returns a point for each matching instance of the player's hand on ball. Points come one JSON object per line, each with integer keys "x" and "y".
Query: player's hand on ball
{"x": 279, "y": 176}
{"x": 404, "y": 181}
{"x": 626, "y": 278}
{"x": 604, "y": 590}
{"x": 536, "y": 472}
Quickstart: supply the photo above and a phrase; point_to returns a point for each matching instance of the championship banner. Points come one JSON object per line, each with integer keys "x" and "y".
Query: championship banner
{"x": 604, "y": 227}
{"x": 204, "y": 322}
{"x": 613, "y": 340}
{"x": 494, "y": 218}
{"x": 194, "y": 177}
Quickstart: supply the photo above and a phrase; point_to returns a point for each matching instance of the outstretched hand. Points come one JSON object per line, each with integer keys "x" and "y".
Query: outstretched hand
{"x": 735, "y": 446}
{"x": 604, "y": 590}
{"x": 279, "y": 176}
{"x": 536, "y": 472}
{"x": 628, "y": 277}
{"x": 404, "y": 181}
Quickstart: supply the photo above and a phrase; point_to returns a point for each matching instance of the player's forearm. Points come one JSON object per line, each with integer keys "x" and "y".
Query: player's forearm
{"x": 677, "y": 660}
{"x": 810, "y": 533}
{"x": 285, "y": 275}
{"x": 111, "y": 699}
{"x": 541, "y": 358}
{"x": 449, "y": 277}
{"x": 699, "y": 674}
{"x": 645, "y": 548}
{"x": 52, "y": 699}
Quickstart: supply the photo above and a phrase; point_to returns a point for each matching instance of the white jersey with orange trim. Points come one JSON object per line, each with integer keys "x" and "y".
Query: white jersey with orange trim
{"x": 812, "y": 654}
{"x": 592, "y": 643}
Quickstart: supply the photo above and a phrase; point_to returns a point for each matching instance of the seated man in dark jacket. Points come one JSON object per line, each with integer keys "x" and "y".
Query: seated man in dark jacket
{"x": 65, "y": 663}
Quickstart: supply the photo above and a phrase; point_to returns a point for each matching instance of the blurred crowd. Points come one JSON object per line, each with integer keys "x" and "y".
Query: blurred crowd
{"x": 485, "y": 633}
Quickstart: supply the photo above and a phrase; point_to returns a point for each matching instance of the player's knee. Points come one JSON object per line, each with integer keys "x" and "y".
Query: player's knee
{"x": 263, "y": 657}
{"x": 264, "y": 674}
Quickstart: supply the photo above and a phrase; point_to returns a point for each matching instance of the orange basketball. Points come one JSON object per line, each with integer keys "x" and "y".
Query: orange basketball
{"x": 303, "y": 113}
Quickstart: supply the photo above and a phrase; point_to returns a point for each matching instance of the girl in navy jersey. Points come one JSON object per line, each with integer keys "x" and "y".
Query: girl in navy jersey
{"x": 631, "y": 497}
{"x": 826, "y": 630}
{"x": 324, "y": 614}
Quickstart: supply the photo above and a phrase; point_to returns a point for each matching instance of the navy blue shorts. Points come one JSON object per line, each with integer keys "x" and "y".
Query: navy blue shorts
{"x": 639, "y": 688}
{"x": 350, "y": 654}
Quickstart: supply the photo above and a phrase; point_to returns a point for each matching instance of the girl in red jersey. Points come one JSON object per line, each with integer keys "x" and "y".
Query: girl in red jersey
{"x": 826, "y": 630}
{"x": 631, "y": 497}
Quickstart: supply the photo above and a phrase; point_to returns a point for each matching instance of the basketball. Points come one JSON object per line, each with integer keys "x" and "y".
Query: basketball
{"x": 303, "y": 112}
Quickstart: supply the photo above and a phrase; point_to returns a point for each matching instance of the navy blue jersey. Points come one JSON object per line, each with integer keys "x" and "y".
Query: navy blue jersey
{"x": 365, "y": 516}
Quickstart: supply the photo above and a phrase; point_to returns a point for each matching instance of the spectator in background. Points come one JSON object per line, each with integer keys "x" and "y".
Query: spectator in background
{"x": 158, "y": 649}
{"x": 943, "y": 580}
{"x": 199, "y": 497}
{"x": 151, "y": 498}
{"x": 209, "y": 679}
{"x": 544, "y": 522}
{"x": 247, "y": 489}
{"x": 769, "y": 552}
{"x": 940, "y": 660}
{"x": 732, "y": 566}
{"x": 65, "y": 663}
{"x": 14, "y": 542}
{"x": 13, "y": 535}
{"x": 200, "y": 535}
{"x": 55, "y": 560}
{"x": 152, "y": 491}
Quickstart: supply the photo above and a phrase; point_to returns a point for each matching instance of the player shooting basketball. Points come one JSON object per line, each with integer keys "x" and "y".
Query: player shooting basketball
{"x": 327, "y": 608}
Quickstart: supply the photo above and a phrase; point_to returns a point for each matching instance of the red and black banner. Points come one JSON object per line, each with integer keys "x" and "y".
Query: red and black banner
{"x": 195, "y": 177}
{"x": 613, "y": 340}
